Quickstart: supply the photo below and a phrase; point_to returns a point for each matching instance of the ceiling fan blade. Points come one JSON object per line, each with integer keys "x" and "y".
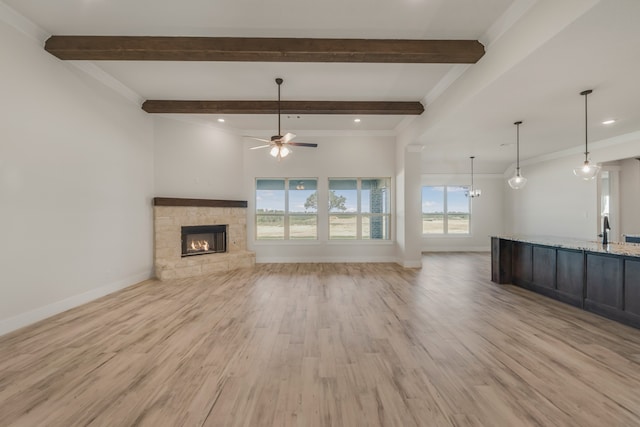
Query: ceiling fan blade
{"x": 257, "y": 139}
{"x": 302, "y": 144}
{"x": 260, "y": 146}
{"x": 287, "y": 137}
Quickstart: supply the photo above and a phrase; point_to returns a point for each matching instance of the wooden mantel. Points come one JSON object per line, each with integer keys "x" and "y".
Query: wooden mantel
{"x": 205, "y": 203}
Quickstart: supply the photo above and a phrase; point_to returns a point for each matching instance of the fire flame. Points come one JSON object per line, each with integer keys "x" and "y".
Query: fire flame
{"x": 199, "y": 245}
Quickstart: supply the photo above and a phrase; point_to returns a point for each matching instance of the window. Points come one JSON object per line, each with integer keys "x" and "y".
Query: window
{"x": 359, "y": 208}
{"x": 445, "y": 210}
{"x": 286, "y": 209}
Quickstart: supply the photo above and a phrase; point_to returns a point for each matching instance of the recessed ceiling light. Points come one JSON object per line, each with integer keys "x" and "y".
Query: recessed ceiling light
{"x": 609, "y": 122}
{"x": 356, "y": 120}
{"x": 221, "y": 120}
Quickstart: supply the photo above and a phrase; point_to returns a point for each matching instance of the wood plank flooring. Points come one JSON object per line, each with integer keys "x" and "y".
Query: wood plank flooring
{"x": 324, "y": 345}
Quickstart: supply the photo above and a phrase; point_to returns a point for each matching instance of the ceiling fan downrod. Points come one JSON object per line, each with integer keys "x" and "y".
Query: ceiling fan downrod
{"x": 279, "y": 82}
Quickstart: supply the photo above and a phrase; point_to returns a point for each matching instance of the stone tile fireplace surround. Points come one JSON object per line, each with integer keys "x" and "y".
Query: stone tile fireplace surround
{"x": 171, "y": 214}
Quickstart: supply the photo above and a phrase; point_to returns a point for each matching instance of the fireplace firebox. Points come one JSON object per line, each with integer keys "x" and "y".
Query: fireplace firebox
{"x": 204, "y": 239}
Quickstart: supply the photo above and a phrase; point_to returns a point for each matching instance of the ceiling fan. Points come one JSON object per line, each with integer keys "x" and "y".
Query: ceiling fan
{"x": 280, "y": 143}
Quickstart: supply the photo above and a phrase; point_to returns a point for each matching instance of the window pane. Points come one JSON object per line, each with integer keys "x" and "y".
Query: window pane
{"x": 270, "y": 195}
{"x": 374, "y": 197}
{"x": 375, "y": 227}
{"x": 433, "y": 210}
{"x": 303, "y": 197}
{"x": 303, "y": 227}
{"x": 343, "y": 195}
{"x": 457, "y": 210}
{"x": 343, "y": 226}
{"x": 270, "y": 227}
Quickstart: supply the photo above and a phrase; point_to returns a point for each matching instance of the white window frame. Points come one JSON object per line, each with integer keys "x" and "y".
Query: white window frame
{"x": 445, "y": 219}
{"x": 287, "y": 214}
{"x": 359, "y": 214}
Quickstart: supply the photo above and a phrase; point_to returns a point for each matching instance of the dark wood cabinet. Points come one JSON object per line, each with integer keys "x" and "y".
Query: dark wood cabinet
{"x": 604, "y": 280}
{"x": 522, "y": 263}
{"x": 632, "y": 287}
{"x": 500, "y": 260}
{"x": 570, "y": 275}
{"x": 544, "y": 267}
{"x": 604, "y": 283}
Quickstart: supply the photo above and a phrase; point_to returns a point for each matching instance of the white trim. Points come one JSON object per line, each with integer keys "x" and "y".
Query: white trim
{"x": 329, "y": 259}
{"x": 410, "y": 264}
{"x": 456, "y": 249}
{"x": 23, "y": 24}
{"x": 33, "y": 316}
{"x": 593, "y": 146}
{"x": 452, "y": 75}
{"x": 507, "y": 20}
{"x": 98, "y": 74}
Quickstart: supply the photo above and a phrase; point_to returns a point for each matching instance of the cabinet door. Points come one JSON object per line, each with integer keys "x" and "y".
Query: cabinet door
{"x": 632, "y": 287}
{"x": 604, "y": 280}
{"x": 500, "y": 260}
{"x": 570, "y": 276}
{"x": 544, "y": 267}
{"x": 522, "y": 263}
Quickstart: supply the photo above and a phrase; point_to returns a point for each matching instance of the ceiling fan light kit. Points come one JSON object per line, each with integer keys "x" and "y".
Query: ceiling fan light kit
{"x": 280, "y": 144}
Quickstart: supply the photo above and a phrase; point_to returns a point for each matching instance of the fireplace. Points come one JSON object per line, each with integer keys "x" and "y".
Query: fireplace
{"x": 204, "y": 239}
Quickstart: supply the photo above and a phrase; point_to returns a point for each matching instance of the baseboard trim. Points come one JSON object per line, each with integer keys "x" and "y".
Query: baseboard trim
{"x": 411, "y": 264}
{"x": 457, "y": 249}
{"x": 25, "y": 319}
{"x": 318, "y": 260}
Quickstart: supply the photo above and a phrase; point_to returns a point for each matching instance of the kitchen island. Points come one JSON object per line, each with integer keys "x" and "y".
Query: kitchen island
{"x": 603, "y": 279}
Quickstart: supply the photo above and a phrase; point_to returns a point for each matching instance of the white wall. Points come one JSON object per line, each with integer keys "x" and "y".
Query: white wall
{"x": 486, "y": 213}
{"x": 76, "y": 181}
{"x": 557, "y": 203}
{"x": 629, "y": 197}
{"x": 197, "y": 161}
{"x": 336, "y": 156}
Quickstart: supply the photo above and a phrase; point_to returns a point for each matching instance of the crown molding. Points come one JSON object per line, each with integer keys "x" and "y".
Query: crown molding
{"x": 106, "y": 79}
{"x": 579, "y": 149}
{"x": 23, "y": 24}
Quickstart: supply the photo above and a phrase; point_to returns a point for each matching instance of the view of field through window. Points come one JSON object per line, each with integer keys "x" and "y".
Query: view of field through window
{"x": 445, "y": 210}
{"x": 287, "y": 209}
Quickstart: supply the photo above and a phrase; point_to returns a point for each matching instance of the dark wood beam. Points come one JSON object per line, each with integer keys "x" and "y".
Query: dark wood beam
{"x": 287, "y": 107}
{"x": 134, "y": 48}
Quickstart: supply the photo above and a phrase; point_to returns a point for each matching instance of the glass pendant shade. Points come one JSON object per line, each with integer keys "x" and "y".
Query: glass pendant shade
{"x": 274, "y": 151}
{"x": 586, "y": 171}
{"x": 473, "y": 193}
{"x": 517, "y": 181}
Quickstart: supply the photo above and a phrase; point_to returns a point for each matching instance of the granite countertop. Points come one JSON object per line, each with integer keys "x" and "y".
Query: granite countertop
{"x": 624, "y": 249}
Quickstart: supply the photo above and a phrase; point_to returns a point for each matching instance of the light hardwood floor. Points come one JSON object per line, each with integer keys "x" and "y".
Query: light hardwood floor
{"x": 324, "y": 344}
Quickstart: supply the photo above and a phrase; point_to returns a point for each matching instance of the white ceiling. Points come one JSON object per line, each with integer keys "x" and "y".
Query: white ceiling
{"x": 599, "y": 49}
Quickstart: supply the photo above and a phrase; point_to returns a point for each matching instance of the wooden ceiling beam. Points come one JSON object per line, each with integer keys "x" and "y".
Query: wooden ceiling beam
{"x": 287, "y": 107}
{"x": 143, "y": 48}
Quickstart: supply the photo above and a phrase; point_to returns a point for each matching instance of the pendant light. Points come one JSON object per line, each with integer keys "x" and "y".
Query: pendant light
{"x": 587, "y": 170}
{"x": 517, "y": 181}
{"x": 473, "y": 192}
